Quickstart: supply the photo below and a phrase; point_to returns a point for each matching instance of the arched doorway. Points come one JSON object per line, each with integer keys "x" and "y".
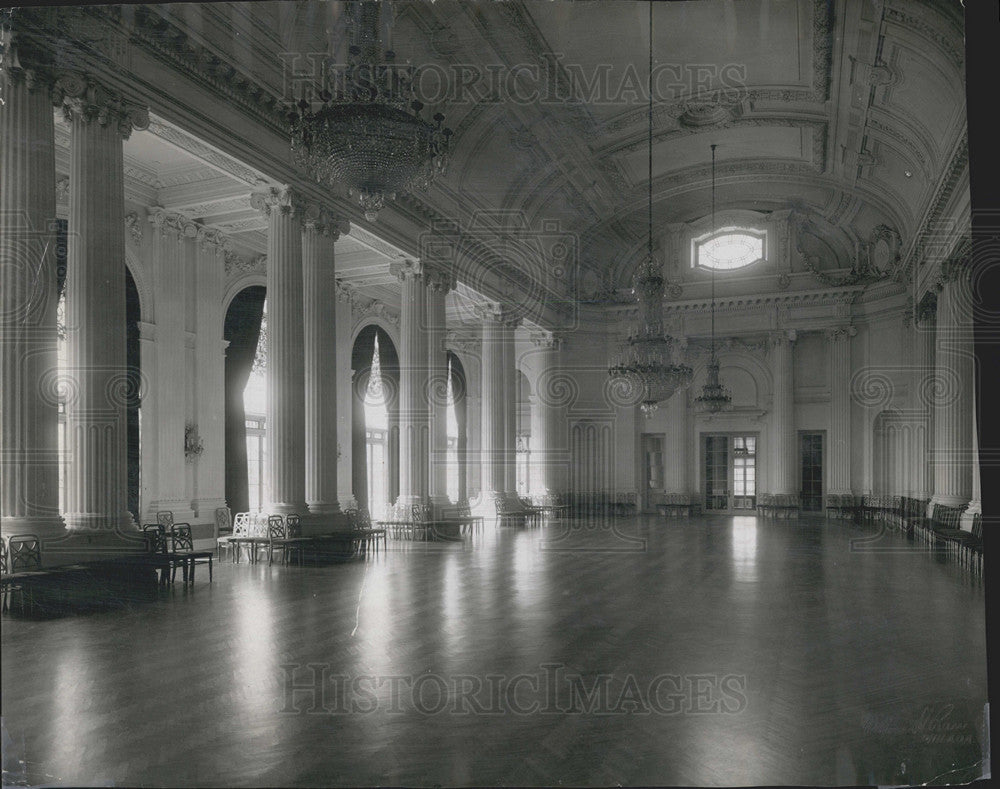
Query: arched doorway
{"x": 242, "y": 330}
{"x": 457, "y": 431}
{"x": 375, "y": 421}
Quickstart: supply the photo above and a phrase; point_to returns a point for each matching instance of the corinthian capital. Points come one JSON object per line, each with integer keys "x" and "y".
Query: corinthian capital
{"x": 320, "y": 219}
{"x": 840, "y": 333}
{"x": 782, "y": 337}
{"x": 499, "y": 312}
{"x": 285, "y": 199}
{"x": 546, "y": 339}
{"x": 406, "y": 269}
{"x": 438, "y": 279}
{"x": 83, "y": 98}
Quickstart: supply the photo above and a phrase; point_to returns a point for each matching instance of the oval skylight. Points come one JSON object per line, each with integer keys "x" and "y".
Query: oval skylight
{"x": 730, "y": 248}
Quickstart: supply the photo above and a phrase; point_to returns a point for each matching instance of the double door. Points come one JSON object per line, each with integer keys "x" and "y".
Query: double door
{"x": 729, "y": 465}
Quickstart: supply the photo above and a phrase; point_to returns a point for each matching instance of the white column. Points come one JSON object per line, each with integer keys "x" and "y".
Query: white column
{"x": 955, "y": 380}
{"x": 97, "y": 477}
{"x": 170, "y": 270}
{"x": 345, "y": 414}
{"x": 493, "y": 416}
{"x": 677, "y": 473}
{"x": 510, "y": 399}
{"x": 413, "y": 403}
{"x": 840, "y": 410}
{"x": 29, "y": 421}
{"x": 782, "y": 436}
{"x": 438, "y": 284}
{"x": 320, "y": 328}
{"x": 210, "y": 375}
{"x": 285, "y": 459}
{"x": 923, "y": 436}
{"x": 550, "y": 450}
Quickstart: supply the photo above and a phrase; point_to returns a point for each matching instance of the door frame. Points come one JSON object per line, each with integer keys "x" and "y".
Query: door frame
{"x": 730, "y": 466}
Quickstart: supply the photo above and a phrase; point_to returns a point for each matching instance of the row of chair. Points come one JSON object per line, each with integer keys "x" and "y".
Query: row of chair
{"x": 181, "y": 550}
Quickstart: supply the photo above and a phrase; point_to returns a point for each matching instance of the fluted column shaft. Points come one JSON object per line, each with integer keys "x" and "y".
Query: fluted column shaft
{"x": 438, "y": 285}
{"x": 97, "y": 385}
{"x": 320, "y": 329}
{"x": 840, "y": 409}
{"x": 955, "y": 379}
{"x": 675, "y": 461}
{"x": 783, "y": 436}
{"x": 493, "y": 413}
{"x": 285, "y": 458}
{"x": 510, "y": 402}
{"x": 29, "y": 450}
{"x": 550, "y": 449}
{"x": 921, "y": 473}
{"x": 414, "y": 441}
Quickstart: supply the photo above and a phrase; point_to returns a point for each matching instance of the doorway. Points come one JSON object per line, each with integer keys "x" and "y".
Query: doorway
{"x": 652, "y": 454}
{"x": 730, "y": 472}
{"x": 811, "y": 466}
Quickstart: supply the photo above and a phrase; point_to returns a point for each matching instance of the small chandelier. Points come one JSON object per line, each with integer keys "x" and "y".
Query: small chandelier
{"x": 645, "y": 364}
{"x": 368, "y": 133}
{"x": 714, "y": 396}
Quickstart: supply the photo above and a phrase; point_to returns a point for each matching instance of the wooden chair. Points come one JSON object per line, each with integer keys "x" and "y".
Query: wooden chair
{"x": 6, "y": 582}
{"x": 24, "y": 558}
{"x": 182, "y": 546}
{"x": 223, "y": 529}
{"x": 286, "y": 537}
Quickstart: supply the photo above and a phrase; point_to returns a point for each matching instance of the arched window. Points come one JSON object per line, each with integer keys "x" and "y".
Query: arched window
{"x": 730, "y": 248}
{"x": 377, "y": 439}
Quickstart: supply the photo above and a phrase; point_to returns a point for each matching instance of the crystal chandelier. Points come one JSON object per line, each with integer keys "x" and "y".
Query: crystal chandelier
{"x": 368, "y": 133}
{"x": 645, "y": 364}
{"x": 714, "y": 396}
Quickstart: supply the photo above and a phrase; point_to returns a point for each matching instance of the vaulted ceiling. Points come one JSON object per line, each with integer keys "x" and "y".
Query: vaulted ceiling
{"x": 850, "y": 113}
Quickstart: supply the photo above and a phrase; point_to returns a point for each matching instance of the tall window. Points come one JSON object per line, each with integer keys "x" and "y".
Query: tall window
{"x": 255, "y": 406}
{"x": 376, "y": 439}
{"x": 730, "y": 248}
{"x": 744, "y": 471}
{"x": 523, "y": 460}
{"x": 451, "y": 420}
{"x": 256, "y": 444}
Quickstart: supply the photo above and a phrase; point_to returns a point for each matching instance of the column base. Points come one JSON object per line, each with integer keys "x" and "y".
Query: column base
{"x": 439, "y": 504}
{"x": 944, "y": 500}
{"x": 317, "y": 523}
{"x": 44, "y": 527}
{"x": 975, "y": 508}
{"x": 99, "y": 522}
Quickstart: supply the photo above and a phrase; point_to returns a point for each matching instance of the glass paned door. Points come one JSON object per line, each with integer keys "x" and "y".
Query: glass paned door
{"x": 716, "y": 473}
{"x": 811, "y": 493}
{"x": 744, "y": 472}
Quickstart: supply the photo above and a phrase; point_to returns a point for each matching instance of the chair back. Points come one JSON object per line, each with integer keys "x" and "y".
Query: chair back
{"x": 977, "y": 526}
{"x": 156, "y": 538}
{"x": 223, "y": 521}
{"x": 241, "y": 526}
{"x": 293, "y": 524}
{"x": 180, "y": 538}
{"x": 4, "y": 569}
{"x": 25, "y": 552}
{"x": 165, "y": 518}
{"x": 275, "y": 527}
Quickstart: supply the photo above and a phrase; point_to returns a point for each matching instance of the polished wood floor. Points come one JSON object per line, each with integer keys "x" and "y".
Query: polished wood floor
{"x": 733, "y": 652}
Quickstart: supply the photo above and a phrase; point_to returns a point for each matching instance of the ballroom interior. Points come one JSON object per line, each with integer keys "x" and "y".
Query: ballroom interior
{"x": 557, "y": 392}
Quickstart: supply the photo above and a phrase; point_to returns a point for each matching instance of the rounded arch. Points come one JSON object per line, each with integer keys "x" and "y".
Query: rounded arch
{"x": 241, "y": 330}
{"x": 238, "y": 285}
{"x": 143, "y": 292}
{"x": 755, "y": 368}
{"x": 362, "y": 352}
